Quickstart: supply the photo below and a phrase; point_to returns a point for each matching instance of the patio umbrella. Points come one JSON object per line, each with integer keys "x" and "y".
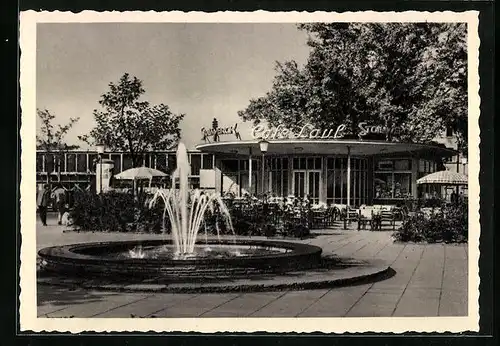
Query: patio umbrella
{"x": 444, "y": 178}
{"x": 140, "y": 173}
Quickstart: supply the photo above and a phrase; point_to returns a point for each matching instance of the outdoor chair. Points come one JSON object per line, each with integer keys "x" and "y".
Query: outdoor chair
{"x": 331, "y": 217}
{"x": 350, "y": 215}
{"x": 319, "y": 218}
{"x": 387, "y": 217}
{"x": 365, "y": 217}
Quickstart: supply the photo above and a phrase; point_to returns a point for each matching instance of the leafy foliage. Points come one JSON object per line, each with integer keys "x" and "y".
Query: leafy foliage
{"x": 410, "y": 75}
{"x": 117, "y": 211}
{"x": 52, "y": 136}
{"x": 448, "y": 223}
{"x": 114, "y": 211}
{"x": 128, "y": 124}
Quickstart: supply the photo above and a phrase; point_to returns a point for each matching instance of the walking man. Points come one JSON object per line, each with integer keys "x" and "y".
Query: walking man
{"x": 43, "y": 202}
{"x": 59, "y": 196}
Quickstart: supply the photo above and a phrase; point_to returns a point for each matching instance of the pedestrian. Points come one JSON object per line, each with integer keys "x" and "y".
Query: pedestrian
{"x": 59, "y": 196}
{"x": 43, "y": 202}
{"x": 454, "y": 197}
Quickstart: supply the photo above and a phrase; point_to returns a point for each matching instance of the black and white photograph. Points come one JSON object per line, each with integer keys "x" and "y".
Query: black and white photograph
{"x": 243, "y": 172}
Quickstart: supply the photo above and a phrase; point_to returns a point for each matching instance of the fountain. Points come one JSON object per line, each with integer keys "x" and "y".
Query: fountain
{"x": 183, "y": 256}
{"x": 186, "y": 210}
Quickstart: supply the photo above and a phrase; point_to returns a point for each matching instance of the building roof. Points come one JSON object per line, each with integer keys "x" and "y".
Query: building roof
{"x": 325, "y": 147}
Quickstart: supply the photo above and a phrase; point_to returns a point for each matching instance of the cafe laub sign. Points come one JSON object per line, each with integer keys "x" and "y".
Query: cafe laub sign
{"x": 308, "y": 131}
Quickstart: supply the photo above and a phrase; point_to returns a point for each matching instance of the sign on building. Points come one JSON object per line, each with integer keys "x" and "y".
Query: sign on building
{"x": 214, "y": 133}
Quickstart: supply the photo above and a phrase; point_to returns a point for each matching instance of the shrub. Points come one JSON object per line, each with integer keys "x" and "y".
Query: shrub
{"x": 448, "y": 223}
{"x": 115, "y": 211}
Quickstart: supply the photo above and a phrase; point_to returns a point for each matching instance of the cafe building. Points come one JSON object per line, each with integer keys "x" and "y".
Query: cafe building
{"x": 326, "y": 165}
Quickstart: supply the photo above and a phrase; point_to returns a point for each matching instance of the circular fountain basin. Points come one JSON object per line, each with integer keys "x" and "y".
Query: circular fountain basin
{"x": 156, "y": 258}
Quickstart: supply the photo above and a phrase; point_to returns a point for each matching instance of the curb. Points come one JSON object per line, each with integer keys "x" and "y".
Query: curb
{"x": 377, "y": 273}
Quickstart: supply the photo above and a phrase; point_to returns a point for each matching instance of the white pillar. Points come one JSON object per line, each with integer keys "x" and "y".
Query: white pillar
{"x": 348, "y": 177}
{"x": 250, "y": 191}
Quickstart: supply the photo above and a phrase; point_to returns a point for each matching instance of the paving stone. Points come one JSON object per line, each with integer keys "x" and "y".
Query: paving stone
{"x": 148, "y": 306}
{"x": 400, "y": 280}
{"x": 374, "y": 305}
{"x": 196, "y": 306}
{"x": 290, "y": 304}
{"x": 352, "y": 248}
{"x": 52, "y": 299}
{"x": 410, "y": 253}
{"x": 336, "y": 302}
{"x": 429, "y": 273}
{"x": 453, "y": 303}
{"x": 418, "y": 268}
{"x": 455, "y": 275}
{"x": 455, "y": 252}
{"x": 243, "y": 305}
{"x": 388, "y": 289}
{"x": 44, "y": 310}
{"x": 370, "y": 249}
{"x": 418, "y": 303}
{"x": 93, "y": 308}
{"x": 390, "y": 253}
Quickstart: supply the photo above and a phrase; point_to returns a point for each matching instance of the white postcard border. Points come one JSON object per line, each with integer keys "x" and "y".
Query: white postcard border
{"x": 28, "y": 300}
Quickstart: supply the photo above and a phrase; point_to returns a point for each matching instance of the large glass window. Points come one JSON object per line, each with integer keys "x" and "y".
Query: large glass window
{"x": 70, "y": 163}
{"x": 62, "y": 162}
{"x": 230, "y": 165}
{"x": 171, "y": 163}
{"x": 81, "y": 163}
{"x": 383, "y": 184}
{"x": 49, "y": 163}
{"x": 39, "y": 162}
{"x": 402, "y": 185}
{"x": 208, "y": 161}
{"x": 392, "y": 178}
{"x": 127, "y": 162}
{"x": 279, "y": 176}
{"x": 336, "y": 181}
{"x": 426, "y": 167}
{"x": 117, "y": 163}
{"x": 161, "y": 162}
{"x": 195, "y": 164}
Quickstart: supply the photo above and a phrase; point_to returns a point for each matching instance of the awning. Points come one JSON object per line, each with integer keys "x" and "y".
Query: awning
{"x": 444, "y": 178}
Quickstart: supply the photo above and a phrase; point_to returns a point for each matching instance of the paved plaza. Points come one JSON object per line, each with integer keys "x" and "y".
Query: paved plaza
{"x": 430, "y": 280}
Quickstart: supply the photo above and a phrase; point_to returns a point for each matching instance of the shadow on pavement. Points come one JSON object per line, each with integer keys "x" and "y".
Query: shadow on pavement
{"x": 57, "y": 295}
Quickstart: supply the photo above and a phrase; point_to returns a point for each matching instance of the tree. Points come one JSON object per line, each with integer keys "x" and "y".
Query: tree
{"x": 128, "y": 124}
{"x": 51, "y": 140}
{"x": 409, "y": 75}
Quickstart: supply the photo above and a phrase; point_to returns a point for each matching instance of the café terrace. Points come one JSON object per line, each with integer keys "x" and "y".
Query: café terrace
{"x": 323, "y": 164}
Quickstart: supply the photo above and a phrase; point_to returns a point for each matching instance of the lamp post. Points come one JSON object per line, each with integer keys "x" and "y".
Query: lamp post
{"x": 100, "y": 148}
{"x": 263, "y": 149}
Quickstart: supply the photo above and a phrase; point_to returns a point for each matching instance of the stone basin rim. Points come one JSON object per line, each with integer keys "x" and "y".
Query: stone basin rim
{"x": 71, "y": 252}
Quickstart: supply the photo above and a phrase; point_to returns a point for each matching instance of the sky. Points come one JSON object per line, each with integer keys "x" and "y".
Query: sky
{"x": 202, "y": 70}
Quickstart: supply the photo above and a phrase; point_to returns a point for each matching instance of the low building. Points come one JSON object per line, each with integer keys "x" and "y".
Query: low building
{"x": 323, "y": 164}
